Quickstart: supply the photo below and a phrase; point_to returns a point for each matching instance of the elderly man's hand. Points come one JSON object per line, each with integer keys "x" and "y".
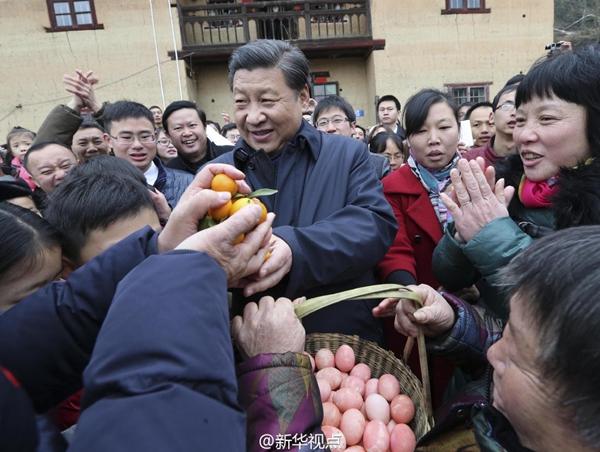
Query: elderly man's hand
{"x": 434, "y": 318}
{"x": 194, "y": 204}
{"x": 273, "y": 270}
{"x": 475, "y": 204}
{"x": 269, "y": 327}
{"x": 242, "y": 259}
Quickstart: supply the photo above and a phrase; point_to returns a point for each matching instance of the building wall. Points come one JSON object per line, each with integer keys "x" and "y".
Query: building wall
{"x": 212, "y": 92}
{"x": 351, "y": 74}
{"x": 425, "y": 48}
{"x": 122, "y": 55}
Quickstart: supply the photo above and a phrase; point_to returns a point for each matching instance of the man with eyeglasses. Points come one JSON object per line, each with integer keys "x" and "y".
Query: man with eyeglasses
{"x": 501, "y": 145}
{"x": 333, "y": 114}
{"x": 130, "y": 126}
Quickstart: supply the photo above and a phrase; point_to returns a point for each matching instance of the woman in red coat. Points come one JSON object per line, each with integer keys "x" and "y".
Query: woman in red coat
{"x": 413, "y": 191}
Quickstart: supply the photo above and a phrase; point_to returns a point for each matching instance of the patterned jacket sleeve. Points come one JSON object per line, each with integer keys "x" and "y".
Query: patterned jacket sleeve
{"x": 282, "y": 402}
{"x": 474, "y": 331}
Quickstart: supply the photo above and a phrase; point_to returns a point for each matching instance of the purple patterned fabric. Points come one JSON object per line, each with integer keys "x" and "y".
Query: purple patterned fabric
{"x": 281, "y": 398}
{"x": 474, "y": 331}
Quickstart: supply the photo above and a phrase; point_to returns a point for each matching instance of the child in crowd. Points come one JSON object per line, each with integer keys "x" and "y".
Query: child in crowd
{"x": 18, "y": 142}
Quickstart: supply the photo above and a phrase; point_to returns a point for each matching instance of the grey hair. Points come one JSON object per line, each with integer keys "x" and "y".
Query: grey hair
{"x": 558, "y": 281}
{"x": 271, "y": 53}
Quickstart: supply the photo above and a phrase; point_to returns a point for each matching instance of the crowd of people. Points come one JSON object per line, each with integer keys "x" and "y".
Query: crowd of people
{"x": 125, "y": 326}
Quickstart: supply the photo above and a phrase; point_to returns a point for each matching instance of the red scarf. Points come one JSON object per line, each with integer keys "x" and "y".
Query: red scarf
{"x": 536, "y": 195}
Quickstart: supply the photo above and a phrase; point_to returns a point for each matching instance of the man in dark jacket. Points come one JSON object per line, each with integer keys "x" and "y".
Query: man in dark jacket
{"x": 388, "y": 114}
{"x": 131, "y": 130}
{"x": 185, "y": 124}
{"x": 333, "y": 223}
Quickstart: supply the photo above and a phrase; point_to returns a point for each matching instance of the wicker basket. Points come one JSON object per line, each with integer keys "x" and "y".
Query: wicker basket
{"x": 381, "y": 362}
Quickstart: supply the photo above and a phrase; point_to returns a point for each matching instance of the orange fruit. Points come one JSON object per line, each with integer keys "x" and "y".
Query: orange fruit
{"x": 220, "y": 213}
{"x": 239, "y": 204}
{"x": 239, "y": 239}
{"x": 222, "y": 182}
{"x": 267, "y": 256}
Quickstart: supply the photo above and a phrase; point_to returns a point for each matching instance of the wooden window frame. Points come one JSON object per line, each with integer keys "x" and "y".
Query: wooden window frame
{"x": 485, "y": 85}
{"x": 337, "y": 87}
{"x": 464, "y": 10}
{"x": 53, "y": 28}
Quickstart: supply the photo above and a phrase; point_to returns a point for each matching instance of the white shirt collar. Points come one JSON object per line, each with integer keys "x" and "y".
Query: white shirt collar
{"x": 151, "y": 174}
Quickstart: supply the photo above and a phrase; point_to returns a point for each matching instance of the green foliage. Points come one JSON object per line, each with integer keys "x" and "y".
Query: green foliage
{"x": 577, "y": 21}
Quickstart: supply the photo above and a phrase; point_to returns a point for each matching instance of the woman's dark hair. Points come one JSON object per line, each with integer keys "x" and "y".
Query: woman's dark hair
{"x": 557, "y": 280}
{"x": 572, "y": 77}
{"x": 379, "y": 142}
{"x": 25, "y": 237}
{"x": 417, "y": 108}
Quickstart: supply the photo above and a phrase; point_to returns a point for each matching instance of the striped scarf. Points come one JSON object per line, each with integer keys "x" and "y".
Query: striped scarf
{"x": 435, "y": 183}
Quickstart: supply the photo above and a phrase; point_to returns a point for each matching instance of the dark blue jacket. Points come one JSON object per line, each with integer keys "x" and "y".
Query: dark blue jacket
{"x": 48, "y": 337}
{"x": 171, "y": 182}
{"x": 162, "y": 375}
{"x": 332, "y": 213}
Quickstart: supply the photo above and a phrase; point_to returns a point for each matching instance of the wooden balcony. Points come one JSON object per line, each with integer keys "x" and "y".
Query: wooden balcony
{"x": 321, "y": 28}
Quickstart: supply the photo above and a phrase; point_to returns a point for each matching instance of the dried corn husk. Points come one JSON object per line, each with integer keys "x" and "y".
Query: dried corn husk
{"x": 378, "y": 291}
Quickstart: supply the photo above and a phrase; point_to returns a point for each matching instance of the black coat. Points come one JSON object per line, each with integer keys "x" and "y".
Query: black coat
{"x": 212, "y": 152}
{"x": 332, "y": 213}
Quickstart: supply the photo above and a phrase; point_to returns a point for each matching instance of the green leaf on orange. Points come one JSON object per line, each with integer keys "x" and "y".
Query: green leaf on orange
{"x": 262, "y": 192}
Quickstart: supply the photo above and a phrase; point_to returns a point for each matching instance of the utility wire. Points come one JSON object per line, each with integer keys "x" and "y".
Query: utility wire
{"x": 96, "y": 88}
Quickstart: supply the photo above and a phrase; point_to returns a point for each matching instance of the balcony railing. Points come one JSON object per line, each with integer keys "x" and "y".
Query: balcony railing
{"x": 231, "y": 24}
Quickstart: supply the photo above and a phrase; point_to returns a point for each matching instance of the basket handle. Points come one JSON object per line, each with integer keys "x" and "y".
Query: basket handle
{"x": 379, "y": 291}
{"x": 423, "y": 365}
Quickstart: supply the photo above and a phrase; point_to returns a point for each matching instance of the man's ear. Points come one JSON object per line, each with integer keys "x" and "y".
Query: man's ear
{"x": 353, "y": 127}
{"x": 34, "y": 179}
{"x": 106, "y": 138}
{"x": 491, "y": 119}
{"x": 68, "y": 267}
{"x": 304, "y": 96}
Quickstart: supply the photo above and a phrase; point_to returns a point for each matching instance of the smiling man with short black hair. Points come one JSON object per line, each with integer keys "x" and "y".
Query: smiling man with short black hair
{"x": 332, "y": 222}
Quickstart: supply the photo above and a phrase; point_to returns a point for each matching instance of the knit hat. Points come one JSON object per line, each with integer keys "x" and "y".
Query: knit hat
{"x": 11, "y": 187}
